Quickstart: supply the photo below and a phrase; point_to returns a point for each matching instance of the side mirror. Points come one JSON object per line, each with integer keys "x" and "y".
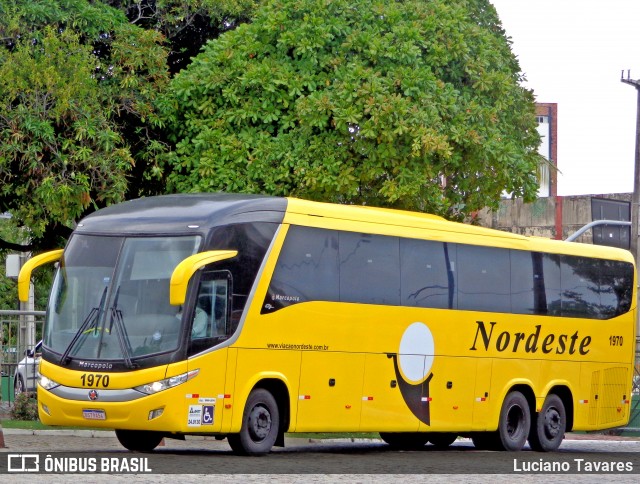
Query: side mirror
{"x": 185, "y": 269}
{"x": 24, "y": 278}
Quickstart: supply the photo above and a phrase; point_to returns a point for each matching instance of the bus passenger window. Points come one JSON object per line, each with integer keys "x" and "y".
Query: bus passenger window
{"x": 307, "y": 269}
{"x": 579, "y": 279}
{"x": 616, "y": 283}
{"x": 527, "y": 283}
{"x": 369, "y": 269}
{"x": 428, "y": 274}
{"x": 483, "y": 279}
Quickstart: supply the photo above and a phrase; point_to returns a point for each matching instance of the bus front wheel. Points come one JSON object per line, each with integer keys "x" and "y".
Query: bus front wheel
{"x": 515, "y": 422}
{"x": 139, "y": 440}
{"x": 550, "y": 424}
{"x": 260, "y": 425}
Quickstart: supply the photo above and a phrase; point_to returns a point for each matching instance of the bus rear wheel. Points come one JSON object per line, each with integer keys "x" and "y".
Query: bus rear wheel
{"x": 139, "y": 440}
{"x": 515, "y": 422}
{"x": 405, "y": 440}
{"x": 260, "y": 425}
{"x": 550, "y": 424}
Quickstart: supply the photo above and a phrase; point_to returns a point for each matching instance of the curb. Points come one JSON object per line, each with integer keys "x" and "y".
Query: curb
{"x": 291, "y": 439}
{"x": 61, "y": 432}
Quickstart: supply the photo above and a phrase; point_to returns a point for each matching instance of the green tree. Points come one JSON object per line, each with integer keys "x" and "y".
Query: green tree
{"x": 415, "y": 104}
{"x": 78, "y": 84}
{"x": 187, "y": 24}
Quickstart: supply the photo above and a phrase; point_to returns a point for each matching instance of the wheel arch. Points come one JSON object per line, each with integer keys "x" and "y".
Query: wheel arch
{"x": 527, "y": 392}
{"x": 280, "y": 392}
{"x": 278, "y": 388}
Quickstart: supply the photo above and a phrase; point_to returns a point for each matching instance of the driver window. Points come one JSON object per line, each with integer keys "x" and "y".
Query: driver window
{"x": 210, "y": 321}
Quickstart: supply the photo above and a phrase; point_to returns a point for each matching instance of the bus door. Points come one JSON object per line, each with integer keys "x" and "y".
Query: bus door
{"x": 330, "y": 392}
{"x": 210, "y": 325}
{"x": 451, "y": 394}
{"x": 481, "y": 402}
{"x": 383, "y": 407}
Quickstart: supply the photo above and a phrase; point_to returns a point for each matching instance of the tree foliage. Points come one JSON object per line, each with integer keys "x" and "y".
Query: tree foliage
{"x": 77, "y": 90}
{"x": 414, "y": 104}
{"x": 187, "y": 24}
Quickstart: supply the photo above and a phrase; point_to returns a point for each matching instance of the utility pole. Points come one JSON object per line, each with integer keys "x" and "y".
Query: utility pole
{"x": 635, "y": 200}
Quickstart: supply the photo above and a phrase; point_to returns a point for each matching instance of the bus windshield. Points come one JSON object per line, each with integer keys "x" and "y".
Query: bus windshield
{"x": 110, "y": 297}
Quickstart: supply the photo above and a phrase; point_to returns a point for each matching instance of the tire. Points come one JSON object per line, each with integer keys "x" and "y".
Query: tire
{"x": 18, "y": 386}
{"x": 139, "y": 440}
{"x": 405, "y": 440}
{"x": 260, "y": 425}
{"x": 515, "y": 422}
{"x": 442, "y": 440}
{"x": 547, "y": 431}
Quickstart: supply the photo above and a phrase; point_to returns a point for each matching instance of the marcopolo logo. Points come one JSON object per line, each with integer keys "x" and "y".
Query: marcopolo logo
{"x": 529, "y": 342}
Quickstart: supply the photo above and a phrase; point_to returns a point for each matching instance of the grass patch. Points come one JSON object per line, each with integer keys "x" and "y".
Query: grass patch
{"x": 36, "y": 425}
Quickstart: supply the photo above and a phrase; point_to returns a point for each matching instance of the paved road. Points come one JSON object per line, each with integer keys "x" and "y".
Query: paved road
{"x": 325, "y": 461}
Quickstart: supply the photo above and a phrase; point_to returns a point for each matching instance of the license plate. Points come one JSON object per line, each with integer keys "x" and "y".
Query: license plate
{"x": 94, "y": 414}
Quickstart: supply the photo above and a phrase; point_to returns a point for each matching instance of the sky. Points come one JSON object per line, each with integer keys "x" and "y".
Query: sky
{"x": 572, "y": 53}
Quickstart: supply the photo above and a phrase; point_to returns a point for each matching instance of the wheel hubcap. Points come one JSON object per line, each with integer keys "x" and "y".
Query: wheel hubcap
{"x": 259, "y": 423}
{"x": 552, "y": 423}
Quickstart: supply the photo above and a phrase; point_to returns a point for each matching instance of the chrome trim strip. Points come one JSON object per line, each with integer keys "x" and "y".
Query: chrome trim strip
{"x": 105, "y": 395}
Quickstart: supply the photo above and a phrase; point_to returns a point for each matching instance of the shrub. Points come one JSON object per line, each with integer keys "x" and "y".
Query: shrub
{"x": 25, "y": 407}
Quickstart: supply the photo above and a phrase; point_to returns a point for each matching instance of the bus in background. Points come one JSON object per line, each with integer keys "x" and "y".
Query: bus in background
{"x": 246, "y": 317}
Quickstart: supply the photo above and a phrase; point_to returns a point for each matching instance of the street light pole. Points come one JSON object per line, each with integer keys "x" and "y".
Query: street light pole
{"x": 635, "y": 200}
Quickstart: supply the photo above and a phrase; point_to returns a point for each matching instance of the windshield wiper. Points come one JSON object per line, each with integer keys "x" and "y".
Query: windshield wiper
{"x": 123, "y": 337}
{"x": 91, "y": 318}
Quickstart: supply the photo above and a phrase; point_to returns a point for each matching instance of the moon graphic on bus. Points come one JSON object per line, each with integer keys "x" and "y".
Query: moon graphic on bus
{"x": 413, "y": 365}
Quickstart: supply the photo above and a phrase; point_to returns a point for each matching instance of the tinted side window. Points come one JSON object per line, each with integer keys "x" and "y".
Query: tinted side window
{"x": 369, "y": 268}
{"x": 307, "y": 269}
{"x": 547, "y": 283}
{"x": 580, "y": 283}
{"x": 483, "y": 278}
{"x": 428, "y": 275}
{"x": 526, "y": 292}
{"x": 616, "y": 287}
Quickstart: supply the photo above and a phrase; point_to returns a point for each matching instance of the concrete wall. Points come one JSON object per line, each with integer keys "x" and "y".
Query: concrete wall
{"x": 551, "y": 217}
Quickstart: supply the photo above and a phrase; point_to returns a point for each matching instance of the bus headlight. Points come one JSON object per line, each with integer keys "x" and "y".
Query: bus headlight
{"x": 47, "y": 383}
{"x": 174, "y": 381}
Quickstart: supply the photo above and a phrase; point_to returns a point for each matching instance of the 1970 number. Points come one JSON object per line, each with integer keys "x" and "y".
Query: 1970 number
{"x": 94, "y": 380}
{"x": 615, "y": 340}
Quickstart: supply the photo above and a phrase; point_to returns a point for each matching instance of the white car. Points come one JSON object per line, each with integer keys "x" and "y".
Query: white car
{"x": 26, "y": 375}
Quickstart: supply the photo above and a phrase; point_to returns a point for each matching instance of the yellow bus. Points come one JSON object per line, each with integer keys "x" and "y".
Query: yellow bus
{"x": 246, "y": 317}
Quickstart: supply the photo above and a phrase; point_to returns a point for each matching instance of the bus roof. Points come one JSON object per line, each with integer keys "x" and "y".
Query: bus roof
{"x": 182, "y": 213}
{"x": 441, "y": 229}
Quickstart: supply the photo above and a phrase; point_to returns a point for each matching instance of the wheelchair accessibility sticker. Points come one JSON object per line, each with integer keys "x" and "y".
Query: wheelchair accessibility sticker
{"x": 200, "y": 415}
